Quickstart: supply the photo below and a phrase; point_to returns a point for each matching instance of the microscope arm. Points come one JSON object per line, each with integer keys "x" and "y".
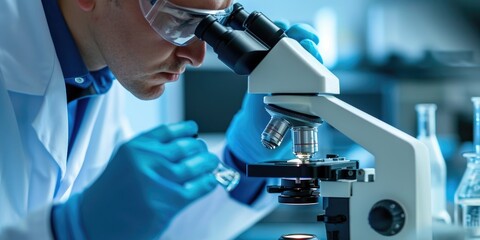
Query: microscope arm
{"x": 401, "y": 166}
{"x": 380, "y": 139}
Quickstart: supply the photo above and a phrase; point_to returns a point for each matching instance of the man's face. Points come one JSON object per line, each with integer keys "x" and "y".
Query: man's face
{"x": 142, "y": 60}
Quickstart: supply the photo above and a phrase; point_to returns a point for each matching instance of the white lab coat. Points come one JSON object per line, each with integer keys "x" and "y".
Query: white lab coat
{"x": 33, "y": 140}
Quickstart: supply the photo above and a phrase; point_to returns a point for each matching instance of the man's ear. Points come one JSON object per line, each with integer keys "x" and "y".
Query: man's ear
{"x": 86, "y": 5}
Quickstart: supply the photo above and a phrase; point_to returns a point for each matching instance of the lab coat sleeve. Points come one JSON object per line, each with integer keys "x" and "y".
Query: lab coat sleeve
{"x": 217, "y": 216}
{"x": 35, "y": 225}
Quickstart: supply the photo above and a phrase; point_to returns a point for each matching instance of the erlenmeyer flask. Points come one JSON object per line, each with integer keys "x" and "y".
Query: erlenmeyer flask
{"x": 467, "y": 196}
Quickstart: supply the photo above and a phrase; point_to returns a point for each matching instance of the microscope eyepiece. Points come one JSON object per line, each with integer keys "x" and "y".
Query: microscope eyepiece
{"x": 239, "y": 50}
{"x": 264, "y": 29}
{"x": 211, "y": 31}
{"x": 256, "y": 23}
{"x": 237, "y": 18}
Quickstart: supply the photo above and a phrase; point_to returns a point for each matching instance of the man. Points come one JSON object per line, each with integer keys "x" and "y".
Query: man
{"x": 64, "y": 172}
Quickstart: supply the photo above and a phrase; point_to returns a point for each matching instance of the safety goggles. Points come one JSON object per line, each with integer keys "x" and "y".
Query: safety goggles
{"x": 174, "y": 23}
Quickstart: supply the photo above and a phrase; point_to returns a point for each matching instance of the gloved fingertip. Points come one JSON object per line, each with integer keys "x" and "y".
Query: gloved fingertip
{"x": 204, "y": 163}
{"x": 282, "y": 24}
{"x": 312, "y": 48}
{"x": 301, "y": 31}
{"x": 203, "y": 143}
{"x": 213, "y": 161}
{"x": 201, "y": 186}
{"x": 167, "y": 133}
{"x": 192, "y": 125}
{"x": 183, "y": 129}
{"x": 211, "y": 181}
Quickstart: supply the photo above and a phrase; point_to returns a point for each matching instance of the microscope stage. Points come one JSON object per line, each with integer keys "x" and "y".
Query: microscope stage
{"x": 330, "y": 169}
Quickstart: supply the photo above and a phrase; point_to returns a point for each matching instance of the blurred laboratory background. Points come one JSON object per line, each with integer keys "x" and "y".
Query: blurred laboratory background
{"x": 388, "y": 55}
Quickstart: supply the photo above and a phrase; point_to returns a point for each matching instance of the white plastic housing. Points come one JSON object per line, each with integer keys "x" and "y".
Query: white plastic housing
{"x": 289, "y": 68}
{"x": 401, "y": 169}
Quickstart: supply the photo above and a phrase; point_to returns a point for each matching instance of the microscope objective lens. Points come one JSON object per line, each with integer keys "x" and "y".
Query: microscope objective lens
{"x": 305, "y": 143}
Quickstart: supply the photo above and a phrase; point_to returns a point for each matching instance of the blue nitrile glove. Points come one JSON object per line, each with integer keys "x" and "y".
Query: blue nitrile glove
{"x": 244, "y": 133}
{"x": 305, "y": 35}
{"x": 147, "y": 182}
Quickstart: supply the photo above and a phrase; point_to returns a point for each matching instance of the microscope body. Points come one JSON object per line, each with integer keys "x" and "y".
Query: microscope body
{"x": 394, "y": 204}
{"x": 401, "y": 170}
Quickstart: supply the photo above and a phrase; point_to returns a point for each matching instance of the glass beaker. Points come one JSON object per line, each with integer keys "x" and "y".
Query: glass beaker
{"x": 467, "y": 196}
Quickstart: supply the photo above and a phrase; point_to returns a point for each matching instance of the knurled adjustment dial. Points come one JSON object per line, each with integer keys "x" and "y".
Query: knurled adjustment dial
{"x": 387, "y": 217}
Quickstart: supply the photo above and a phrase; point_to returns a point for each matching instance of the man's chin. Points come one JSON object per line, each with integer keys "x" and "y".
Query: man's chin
{"x": 150, "y": 93}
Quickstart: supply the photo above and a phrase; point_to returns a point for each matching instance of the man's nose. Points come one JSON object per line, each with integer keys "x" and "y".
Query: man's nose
{"x": 194, "y": 52}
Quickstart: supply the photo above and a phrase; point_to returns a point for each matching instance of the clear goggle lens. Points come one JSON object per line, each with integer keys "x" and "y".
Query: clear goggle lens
{"x": 174, "y": 23}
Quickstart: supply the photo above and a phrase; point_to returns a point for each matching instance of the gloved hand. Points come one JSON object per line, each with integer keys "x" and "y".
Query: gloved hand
{"x": 149, "y": 180}
{"x": 244, "y": 133}
{"x": 304, "y": 34}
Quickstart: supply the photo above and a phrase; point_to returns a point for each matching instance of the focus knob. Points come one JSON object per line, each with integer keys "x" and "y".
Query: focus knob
{"x": 387, "y": 217}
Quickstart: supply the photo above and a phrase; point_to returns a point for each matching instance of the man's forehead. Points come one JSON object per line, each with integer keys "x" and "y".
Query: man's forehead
{"x": 203, "y": 4}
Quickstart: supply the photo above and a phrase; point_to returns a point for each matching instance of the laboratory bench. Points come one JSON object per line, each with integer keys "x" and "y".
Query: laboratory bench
{"x": 273, "y": 231}
{"x": 301, "y": 219}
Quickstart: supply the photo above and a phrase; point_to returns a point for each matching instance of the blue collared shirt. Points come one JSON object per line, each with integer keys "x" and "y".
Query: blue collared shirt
{"x": 74, "y": 70}
{"x": 81, "y": 84}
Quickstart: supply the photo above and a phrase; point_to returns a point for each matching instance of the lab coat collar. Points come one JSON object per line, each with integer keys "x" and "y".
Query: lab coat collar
{"x": 51, "y": 122}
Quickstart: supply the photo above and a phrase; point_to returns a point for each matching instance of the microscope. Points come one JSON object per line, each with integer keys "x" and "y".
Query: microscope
{"x": 391, "y": 201}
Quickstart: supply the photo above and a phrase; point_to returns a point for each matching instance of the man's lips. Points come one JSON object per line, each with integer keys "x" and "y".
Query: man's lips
{"x": 169, "y": 76}
{"x": 172, "y": 76}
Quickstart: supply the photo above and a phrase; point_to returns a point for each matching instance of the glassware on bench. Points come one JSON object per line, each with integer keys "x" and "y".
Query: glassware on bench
{"x": 438, "y": 171}
{"x": 467, "y": 196}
